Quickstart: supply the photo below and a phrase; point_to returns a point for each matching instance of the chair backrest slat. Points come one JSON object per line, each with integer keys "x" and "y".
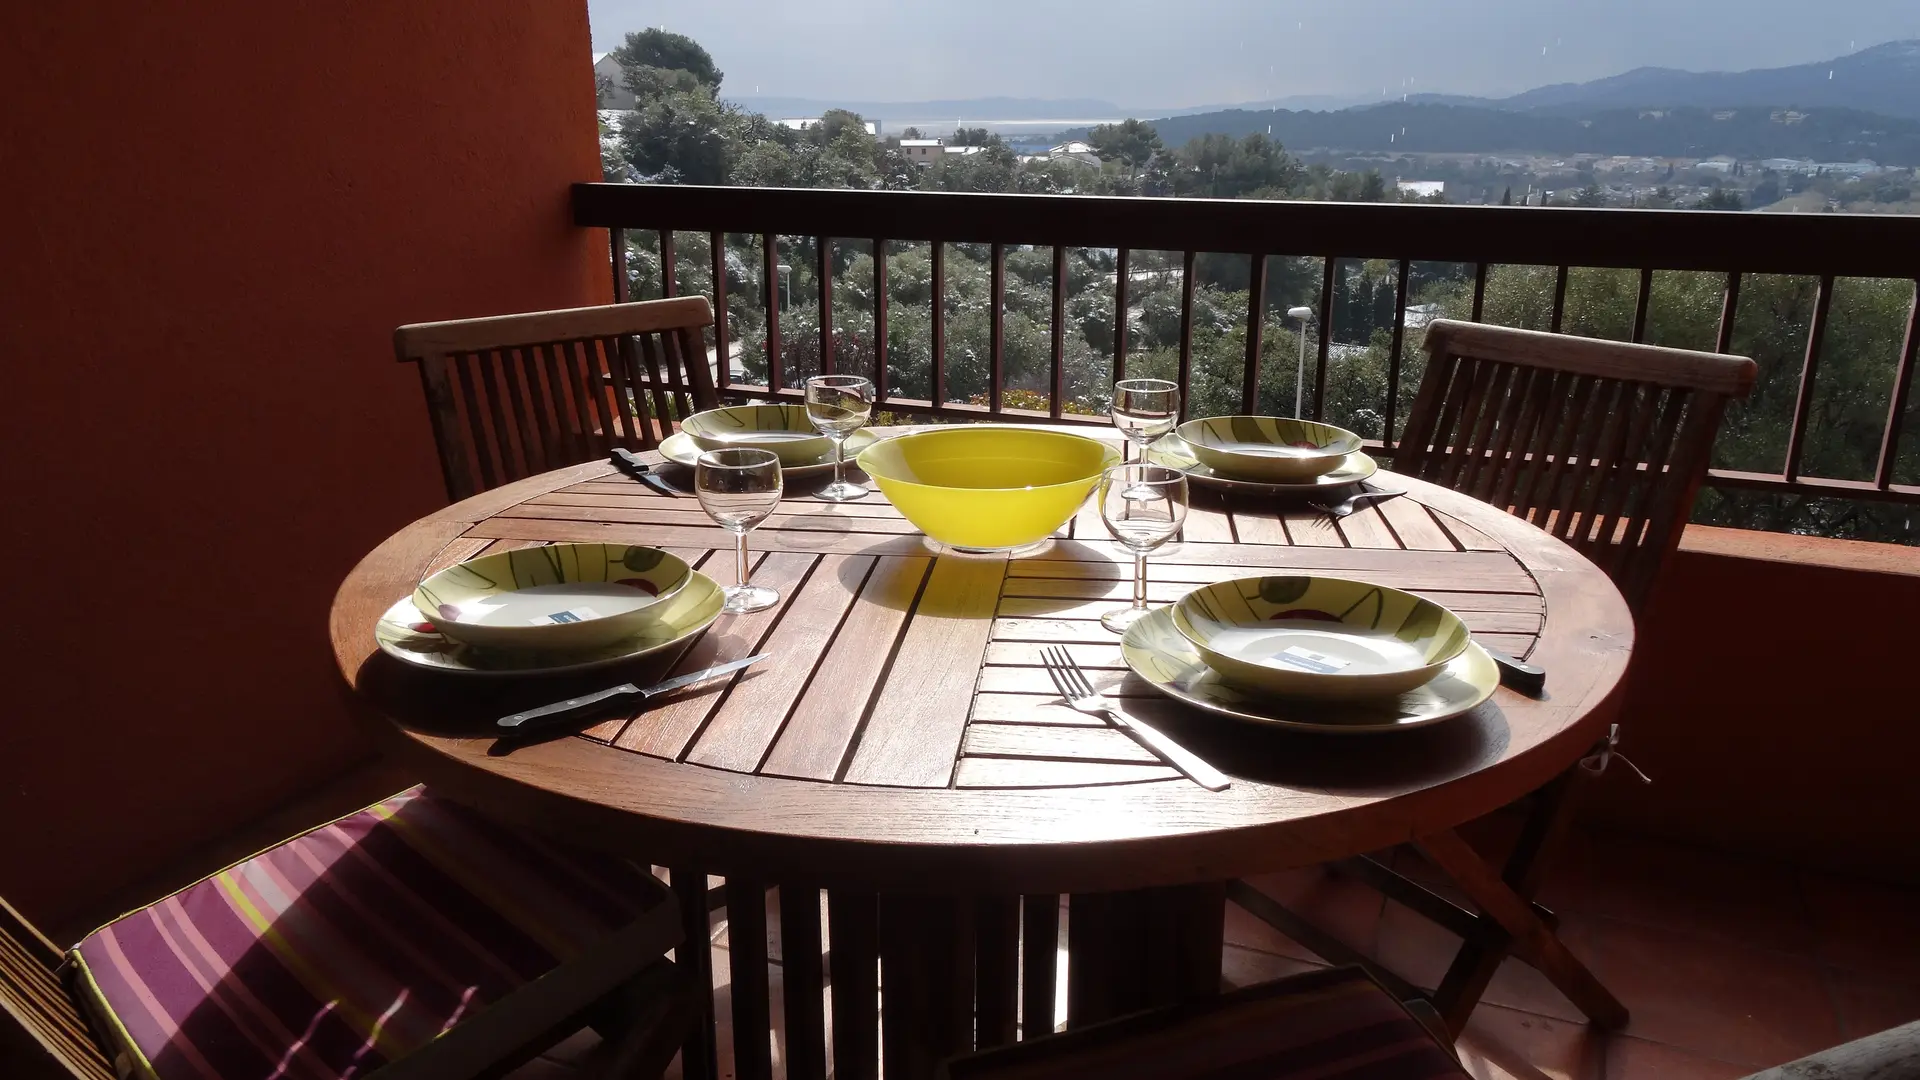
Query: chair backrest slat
{"x": 42, "y": 1031}
{"x": 1601, "y": 443}
{"x": 515, "y": 395}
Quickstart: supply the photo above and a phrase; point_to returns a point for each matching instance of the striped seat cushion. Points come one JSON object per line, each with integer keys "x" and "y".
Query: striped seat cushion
{"x": 349, "y": 946}
{"x": 1336, "y": 1024}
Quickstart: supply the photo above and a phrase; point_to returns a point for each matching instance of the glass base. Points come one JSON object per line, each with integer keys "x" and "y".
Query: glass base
{"x": 841, "y": 492}
{"x": 744, "y": 598}
{"x": 1118, "y": 621}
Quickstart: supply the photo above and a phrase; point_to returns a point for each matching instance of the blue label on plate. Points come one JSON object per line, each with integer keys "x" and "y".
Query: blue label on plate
{"x": 1307, "y": 660}
{"x": 580, "y": 614}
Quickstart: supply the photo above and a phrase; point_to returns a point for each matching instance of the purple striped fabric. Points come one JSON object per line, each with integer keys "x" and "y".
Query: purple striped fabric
{"x": 350, "y": 946}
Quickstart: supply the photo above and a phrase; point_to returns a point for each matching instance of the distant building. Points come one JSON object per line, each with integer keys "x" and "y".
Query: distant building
{"x": 1421, "y": 189}
{"x": 921, "y": 151}
{"x": 963, "y": 151}
{"x": 1077, "y": 152}
{"x": 801, "y": 123}
{"x": 1717, "y": 165}
{"x": 1849, "y": 168}
{"x": 1789, "y": 165}
{"x": 612, "y": 81}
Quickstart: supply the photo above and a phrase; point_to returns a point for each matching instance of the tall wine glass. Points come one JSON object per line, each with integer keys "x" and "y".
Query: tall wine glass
{"x": 738, "y": 489}
{"x": 840, "y": 405}
{"x": 1143, "y": 507}
{"x": 1145, "y": 409}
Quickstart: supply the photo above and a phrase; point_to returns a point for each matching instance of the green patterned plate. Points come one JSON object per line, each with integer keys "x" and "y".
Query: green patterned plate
{"x": 1174, "y": 453}
{"x": 1309, "y": 636}
{"x": 680, "y": 449}
{"x": 402, "y": 634}
{"x": 784, "y": 429}
{"x": 556, "y": 597}
{"x": 1268, "y": 449}
{"x": 1156, "y": 652}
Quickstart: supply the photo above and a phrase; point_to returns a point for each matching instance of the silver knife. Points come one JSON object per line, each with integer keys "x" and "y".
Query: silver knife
{"x": 521, "y": 722}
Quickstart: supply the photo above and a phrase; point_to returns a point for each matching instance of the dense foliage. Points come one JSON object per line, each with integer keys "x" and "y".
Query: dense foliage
{"x": 681, "y": 132}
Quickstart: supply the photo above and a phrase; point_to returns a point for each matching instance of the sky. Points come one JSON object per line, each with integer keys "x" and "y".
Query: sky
{"x": 1141, "y": 54}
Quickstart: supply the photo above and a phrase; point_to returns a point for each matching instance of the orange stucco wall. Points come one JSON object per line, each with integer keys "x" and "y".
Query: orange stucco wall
{"x": 1772, "y": 700}
{"x": 216, "y": 213}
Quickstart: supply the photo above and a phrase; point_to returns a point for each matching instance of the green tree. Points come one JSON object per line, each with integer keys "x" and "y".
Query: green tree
{"x": 1591, "y": 195}
{"x": 669, "y": 52}
{"x": 679, "y": 139}
{"x": 1721, "y": 199}
{"x": 1131, "y": 142}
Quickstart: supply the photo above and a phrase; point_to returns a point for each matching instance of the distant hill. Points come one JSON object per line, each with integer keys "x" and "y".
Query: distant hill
{"x": 1884, "y": 79}
{"x": 987, "y": 108}
{"x": 1820, "y": 134}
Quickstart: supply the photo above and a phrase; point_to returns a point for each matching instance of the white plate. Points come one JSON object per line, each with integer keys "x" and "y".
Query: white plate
{"x": 407, "y": 637}
{"x": 680, "y": 449}
{"x": 1174, "y": 453}
{"x": 1156, "y": 652}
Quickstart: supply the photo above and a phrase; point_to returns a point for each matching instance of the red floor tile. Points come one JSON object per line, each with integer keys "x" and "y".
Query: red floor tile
{"x": 1507, "y": 1044}
{"x": 1716, "y": 999}
{"x": 1636, "y": 1059}
{"x": 1865, "y": 926}
{"x": 1870, "y": 1004}
{"x": 1691, "y": 890}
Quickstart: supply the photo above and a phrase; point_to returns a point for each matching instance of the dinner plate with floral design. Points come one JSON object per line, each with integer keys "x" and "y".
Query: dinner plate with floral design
{"x": 1154, "y": 650}
{"x": 680, "y": 449}
{"x": 404, "y": 634}
{"x": 1174, "y": 453}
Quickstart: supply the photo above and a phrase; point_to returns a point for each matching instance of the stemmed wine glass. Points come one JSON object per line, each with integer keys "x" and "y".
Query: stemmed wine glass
{"x": 1145, "y": 409}
{"x": 738, "y": 489}
{"x": 1143, "y": 507}
{"x": 840, "y": 405}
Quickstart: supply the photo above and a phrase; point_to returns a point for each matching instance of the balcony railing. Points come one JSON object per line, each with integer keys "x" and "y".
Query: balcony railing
{"x": 1829, "y": 251}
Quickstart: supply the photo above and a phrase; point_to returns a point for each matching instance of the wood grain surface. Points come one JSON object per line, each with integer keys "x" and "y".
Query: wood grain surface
{"x": 903, "y": 735}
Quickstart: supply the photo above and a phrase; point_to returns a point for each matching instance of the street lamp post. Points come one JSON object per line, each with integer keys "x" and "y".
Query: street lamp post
{"x": 1305, "y": 316}
{"x": 786, "y": 283}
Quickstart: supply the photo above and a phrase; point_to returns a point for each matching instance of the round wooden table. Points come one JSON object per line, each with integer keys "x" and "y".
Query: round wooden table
{"x": 903, "y": 748}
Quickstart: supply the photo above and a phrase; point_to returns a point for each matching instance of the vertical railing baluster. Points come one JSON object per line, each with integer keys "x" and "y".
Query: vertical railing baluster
{"x": 1057, "y": 395}
{"x": 770, "y": 285}
{"x": 669, "y": 266}
{"x": 823, "y": 262}
{"x": 1729, "y": 307}
{"x": 1256, "y": 323}
{"x": 1120, "y": 283}
{"x": 1559, "y": 300}
{"x": 1897, "y": 407}
{"x": 880, "y": 388}
{"x": 1185, "y": 375}
{"x": 1479, "y": 291}
{"x": 722, "y": 351}
{"x": 1640, "y": 305}
{"x": 1393, "y": 358}
{"x": 622, "y": 288}
{"x": 997, "y": 322}
{"x": 1327, "y": 269}
{"x": 1803, "y": 405}
{"x": 939, "y": 290}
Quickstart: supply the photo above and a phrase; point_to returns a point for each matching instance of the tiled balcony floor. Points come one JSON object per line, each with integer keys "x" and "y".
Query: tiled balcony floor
{"x": 1728, "y": 964}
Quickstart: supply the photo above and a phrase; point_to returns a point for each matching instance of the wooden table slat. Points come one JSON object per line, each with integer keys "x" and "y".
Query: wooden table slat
{"x": 1414, "y": 526}
{"x": 923, "y": 703}
{"x": 1311, "y": 528}
{"x": 1207, "y": 518}
{"x": 1037, "y": 773}
{"x": 1365, "y": 528}
{"x": 1053, "y": 741}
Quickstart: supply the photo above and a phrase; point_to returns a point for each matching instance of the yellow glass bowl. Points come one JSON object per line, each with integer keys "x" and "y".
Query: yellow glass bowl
{"x": 1329, "y": 638}
{"x": 1268, "y": 449}
{"x": 988, "y": 488}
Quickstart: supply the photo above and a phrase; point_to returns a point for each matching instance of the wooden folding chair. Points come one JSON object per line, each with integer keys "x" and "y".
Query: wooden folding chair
{"x": 1603, "y": 444}
{"x": 516, "y": 395}
{"x": 413, "y": 939}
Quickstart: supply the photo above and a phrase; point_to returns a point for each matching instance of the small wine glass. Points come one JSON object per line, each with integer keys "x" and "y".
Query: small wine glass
{"x": 840, "y": 405}
{"x": 1145, "y": 410}
{"x": 1143, "y": 507}
{"x": 738, "y": 489}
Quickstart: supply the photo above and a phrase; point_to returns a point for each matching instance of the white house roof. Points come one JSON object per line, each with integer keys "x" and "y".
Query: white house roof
{"x": 599, "y": 56}
{"x": 920, "y": 142}
{"x": 1071, "y": 148}
{"x": 963, "y": 149}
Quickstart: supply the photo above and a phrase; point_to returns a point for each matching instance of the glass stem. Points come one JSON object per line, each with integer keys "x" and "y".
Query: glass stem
{"x": 740, "y": 558}
{"x": 1139, "y": 581}
{"x": 839, "y": 460}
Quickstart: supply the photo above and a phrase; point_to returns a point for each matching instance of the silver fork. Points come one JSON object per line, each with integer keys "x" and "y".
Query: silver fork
{"x": 1080, "y": 694}
{"x": 1352, "y": 502}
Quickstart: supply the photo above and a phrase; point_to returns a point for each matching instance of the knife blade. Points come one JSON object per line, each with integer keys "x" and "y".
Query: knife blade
{"x": 521, "y": 723}
{"x": 629, "y": 462}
